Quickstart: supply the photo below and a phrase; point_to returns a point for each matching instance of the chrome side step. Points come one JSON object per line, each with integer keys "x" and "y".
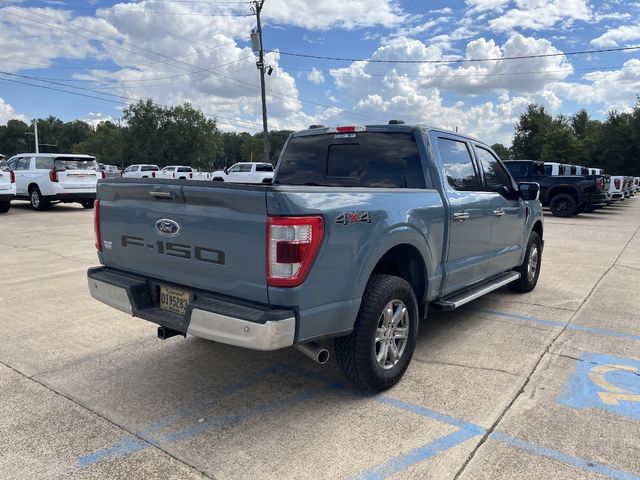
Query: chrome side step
{"x": 459, "y": 299}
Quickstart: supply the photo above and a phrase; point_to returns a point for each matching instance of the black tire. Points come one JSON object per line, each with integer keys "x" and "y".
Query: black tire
{"x": 356, "y": 354}
{"x": 218, "y": 179}
{"x": 530, "y": 268}
{"x": 88, "y": 204}
{"x": 38, "y": 202}
{"x": 590, "y": 209}
{"x": 563, "y": 205}
{"x": 4, "y": 207}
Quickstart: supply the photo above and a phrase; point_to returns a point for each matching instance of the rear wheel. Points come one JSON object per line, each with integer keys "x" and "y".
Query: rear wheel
{"x": 4, "y": 207}
{"x": 88, "y": 203}
{"x": 378, "y": 351}
{"x": 530, "y": 268}
{"x": 38, "y": 202}
{"x": 563, "y": 205}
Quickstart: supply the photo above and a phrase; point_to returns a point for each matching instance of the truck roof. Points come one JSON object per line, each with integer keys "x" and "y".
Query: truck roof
{"x": 395, "y": 127}
{"x": 56, "y": 155}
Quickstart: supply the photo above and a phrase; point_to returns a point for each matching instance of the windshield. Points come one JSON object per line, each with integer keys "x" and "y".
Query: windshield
{"x": 70, "y": 163}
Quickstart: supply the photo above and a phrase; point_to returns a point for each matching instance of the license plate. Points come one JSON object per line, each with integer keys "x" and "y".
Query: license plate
{"x": 174, "y": 300}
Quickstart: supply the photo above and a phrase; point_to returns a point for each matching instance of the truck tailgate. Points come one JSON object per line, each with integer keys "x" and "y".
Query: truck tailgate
{"x": 195, "y": 234}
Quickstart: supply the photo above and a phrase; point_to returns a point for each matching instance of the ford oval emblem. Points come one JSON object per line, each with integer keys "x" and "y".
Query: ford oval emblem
{"x": 168, "y": 227}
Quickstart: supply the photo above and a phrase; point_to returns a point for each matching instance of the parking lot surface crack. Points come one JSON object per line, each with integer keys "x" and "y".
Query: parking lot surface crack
{"x": 545, "y": 351}
{"x": 472, "y": 367}
{"x": 106, "y": 419}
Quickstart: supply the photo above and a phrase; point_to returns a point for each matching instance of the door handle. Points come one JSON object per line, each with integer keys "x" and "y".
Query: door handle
{"x": 461, "y": 216}
{"x": 157, "y": 194}
{"x": 498, "y": 212}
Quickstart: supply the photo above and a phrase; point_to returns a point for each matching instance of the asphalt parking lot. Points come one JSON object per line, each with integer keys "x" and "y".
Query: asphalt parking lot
{"x": 541, "y": 385}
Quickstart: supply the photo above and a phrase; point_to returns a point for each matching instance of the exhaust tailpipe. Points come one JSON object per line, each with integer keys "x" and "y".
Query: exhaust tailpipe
{"x": 315, "y": 352}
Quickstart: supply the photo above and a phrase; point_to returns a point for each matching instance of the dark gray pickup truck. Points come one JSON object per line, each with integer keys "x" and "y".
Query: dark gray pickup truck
{"x": 362, "y": 229}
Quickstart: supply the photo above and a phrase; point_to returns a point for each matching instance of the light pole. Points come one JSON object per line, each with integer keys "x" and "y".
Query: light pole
{"x": 256, "y": 40}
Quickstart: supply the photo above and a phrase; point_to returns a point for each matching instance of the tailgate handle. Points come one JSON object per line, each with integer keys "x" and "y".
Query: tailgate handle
{"x": 157, "y": 194}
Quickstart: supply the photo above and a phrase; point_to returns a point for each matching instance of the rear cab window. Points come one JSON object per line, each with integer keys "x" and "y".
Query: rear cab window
{"x": 361, "y": 159}
{"x": 149, "y": 168}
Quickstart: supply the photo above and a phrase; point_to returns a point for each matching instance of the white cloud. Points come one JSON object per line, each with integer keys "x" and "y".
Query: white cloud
{"x": 328, "y": 14}
{"x": 617, "y": 36}
{"x": 7, "y": 113}
{"x": 483, "y": 5}
{"x": 315, "y": 76}
{"x": 542, "y": 14}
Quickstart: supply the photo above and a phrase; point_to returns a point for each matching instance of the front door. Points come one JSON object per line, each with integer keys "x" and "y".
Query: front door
{"x": 21, "y": 170}
{"x": 469, "y": 215}
{"x": 507, "y": 210}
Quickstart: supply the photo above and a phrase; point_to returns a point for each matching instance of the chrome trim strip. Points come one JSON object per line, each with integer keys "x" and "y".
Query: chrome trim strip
{"x": 112, "y": 295}
{"x": 241, "y": 333}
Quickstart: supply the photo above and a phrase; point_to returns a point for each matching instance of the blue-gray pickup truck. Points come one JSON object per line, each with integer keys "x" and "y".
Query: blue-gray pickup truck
{"x": 360, "y": 231}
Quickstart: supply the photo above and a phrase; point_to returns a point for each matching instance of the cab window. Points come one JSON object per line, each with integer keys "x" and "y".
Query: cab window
{"x": 495, "y": 175}
{"x": 458, "y": 165}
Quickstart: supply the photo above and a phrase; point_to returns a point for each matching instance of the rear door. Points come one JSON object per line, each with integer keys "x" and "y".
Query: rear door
{"x": 469, "y": 214}
{"x": 77, "y": 172}
{"x": 20, "y": 166}
{"x": 507, "y": 210}
{"x": 210, "y": 237}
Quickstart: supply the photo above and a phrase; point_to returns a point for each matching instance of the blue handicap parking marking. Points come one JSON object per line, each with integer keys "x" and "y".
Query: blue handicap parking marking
{"x": 605, "y": 382}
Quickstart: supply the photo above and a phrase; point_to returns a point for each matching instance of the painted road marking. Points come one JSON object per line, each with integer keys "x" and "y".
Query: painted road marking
{"x": 605, "y": 382}
{"x": 568, "y": 326}
{"x": 466, "y": 430}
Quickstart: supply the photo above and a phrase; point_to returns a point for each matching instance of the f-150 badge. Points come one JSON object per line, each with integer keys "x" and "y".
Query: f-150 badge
{"x": 353, "y": 217}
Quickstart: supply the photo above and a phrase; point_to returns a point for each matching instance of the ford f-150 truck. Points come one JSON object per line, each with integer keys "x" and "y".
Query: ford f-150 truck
{"x": 362, "y": 229}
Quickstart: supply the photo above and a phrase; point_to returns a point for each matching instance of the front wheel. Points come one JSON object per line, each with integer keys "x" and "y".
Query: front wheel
{"x": 378, "y": 351}
{"x": 88, "y": 203}
{"x": 4, "y": 207}
{"x": 530, "y": 269}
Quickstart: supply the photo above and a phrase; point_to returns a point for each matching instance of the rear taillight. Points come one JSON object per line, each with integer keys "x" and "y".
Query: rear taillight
{"x": 616, "y": 182}
{"x": 96, "y": 225}
{"x": 104, "y": 175}
{"x": 53, "y": 175}
{"x": 191, "y": 175}
{"x": 599, "y": 184}
{"x": 292, "y": 245}
{"x": 12, "y": 176}
{"x": 153, "y": 174}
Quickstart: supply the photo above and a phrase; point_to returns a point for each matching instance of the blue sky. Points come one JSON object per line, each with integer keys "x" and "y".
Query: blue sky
{"x": 187, "y": 50}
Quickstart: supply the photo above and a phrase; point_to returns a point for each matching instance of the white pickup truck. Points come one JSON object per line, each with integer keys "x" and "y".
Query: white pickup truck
{"x": 7, "y": 186}
{"x": 140, "y": 171}
{"x": 245, "y": 172}
{"x": 182, "y": 172}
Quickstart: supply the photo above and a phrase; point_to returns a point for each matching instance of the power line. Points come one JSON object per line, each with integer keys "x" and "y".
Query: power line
{"x": 457, "y": 60}
{"x": 105, "y": 94}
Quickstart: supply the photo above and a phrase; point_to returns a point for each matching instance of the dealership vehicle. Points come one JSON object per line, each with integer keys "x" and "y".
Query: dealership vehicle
{"x": 362, "y": 229}
{"x": 615, "y": 188}
{"x": 141, "y": 171}
{"x": 46, "y": 178}
{"x": 7, "y": 186}
{"x": 565, "y": 195}
{"x": 245, "y": 172}
{"x": 182, "y": 172}
{"x": 636, "y": 184}
{"x": 629, "y": 190}
{"x": 110, "y": 171}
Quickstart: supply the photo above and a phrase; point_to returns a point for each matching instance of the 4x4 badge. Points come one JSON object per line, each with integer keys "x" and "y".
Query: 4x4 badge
{"x": 353, "y": 217}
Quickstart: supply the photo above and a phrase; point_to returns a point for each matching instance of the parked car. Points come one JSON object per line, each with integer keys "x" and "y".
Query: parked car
{"x": 141, "y": 171}
{"x": 636, "y": 184}
{"x": 245, "y": 172}
{"x": 616, "y": 188}
{"x": 46, "y": 178}
{"x": 565, "y": 195}
{"x": 110, "y": 171}
{"x": 7, "y": 186}
{"x": 363, "y": 228}
{"x": 182, "y": 172}
{"x": 629, "y": 190}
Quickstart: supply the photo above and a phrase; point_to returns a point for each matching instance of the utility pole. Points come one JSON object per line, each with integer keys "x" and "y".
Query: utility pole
{"x": 256, "y": 39}
{"x": 35, "y": 131}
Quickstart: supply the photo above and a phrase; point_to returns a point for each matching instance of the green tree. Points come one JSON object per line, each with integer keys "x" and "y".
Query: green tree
{"x": 105, "y": 143}
{"x": 15, "y": 137}
{"x": 560, "y": 143}
{"x": 531, "y": 130}
{"x": 143, "y": 142}
{"x": 502, "y": 151}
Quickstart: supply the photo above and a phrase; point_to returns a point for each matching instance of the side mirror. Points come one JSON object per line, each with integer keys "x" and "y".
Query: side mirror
{"x": 226, "y": 170}
{"x": 529, "y": 191}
